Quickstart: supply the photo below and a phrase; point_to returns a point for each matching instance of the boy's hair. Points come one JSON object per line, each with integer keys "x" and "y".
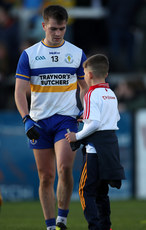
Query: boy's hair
{"x": 98, "y": 64}
{"x": 56, "y": 12}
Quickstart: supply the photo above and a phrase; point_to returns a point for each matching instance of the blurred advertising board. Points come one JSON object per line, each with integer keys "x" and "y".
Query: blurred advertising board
{"x": 125, "y": 138}
{"x": 18, "y": 173}
{"x": 140, "y": 154}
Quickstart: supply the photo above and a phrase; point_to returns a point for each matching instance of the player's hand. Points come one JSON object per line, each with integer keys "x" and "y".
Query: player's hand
{"x": 70, "y": 137}
{"x": 31, "y": 128}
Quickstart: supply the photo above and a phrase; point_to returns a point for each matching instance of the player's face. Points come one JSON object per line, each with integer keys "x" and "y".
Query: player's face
{"x": 54, "y": 32}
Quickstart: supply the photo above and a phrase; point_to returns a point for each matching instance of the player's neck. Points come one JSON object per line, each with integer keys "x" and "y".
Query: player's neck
{"x": 48, "y": 43}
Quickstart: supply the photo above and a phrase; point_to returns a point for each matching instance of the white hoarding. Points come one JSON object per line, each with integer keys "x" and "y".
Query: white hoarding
{"x": 140, "y": 141}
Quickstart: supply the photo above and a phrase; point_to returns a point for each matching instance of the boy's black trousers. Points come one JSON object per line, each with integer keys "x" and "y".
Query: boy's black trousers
{"x": 94, "y": 195}
{"x": 100, "y": 170}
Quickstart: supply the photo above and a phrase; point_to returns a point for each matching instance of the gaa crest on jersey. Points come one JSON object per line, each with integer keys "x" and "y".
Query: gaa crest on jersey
{"x": 68, "y": 58}
{"x": 33, "y": 141}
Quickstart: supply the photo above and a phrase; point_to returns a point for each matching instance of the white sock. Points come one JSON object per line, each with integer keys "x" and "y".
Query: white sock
{"x": 61, "y": 219}
{"x": 51, "y": 228}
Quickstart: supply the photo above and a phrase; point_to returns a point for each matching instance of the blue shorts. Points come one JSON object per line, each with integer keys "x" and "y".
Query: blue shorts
{"x": 53, "y": 130}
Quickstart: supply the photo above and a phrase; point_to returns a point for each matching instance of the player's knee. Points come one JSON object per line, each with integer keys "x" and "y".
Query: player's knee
{"x": 47, "y": 180}
{"x": 65, "y": 173}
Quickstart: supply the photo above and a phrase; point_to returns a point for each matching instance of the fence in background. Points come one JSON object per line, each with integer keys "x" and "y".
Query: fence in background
{"x": 18, "y": 174}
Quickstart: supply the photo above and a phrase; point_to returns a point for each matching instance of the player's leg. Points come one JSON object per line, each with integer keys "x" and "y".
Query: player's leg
{"x": 87, "y": 191}
{"x": 65, "y": 159}
{"x": 45, "y": 161}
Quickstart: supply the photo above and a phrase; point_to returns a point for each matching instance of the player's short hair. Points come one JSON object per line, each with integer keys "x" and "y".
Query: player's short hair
{"x": 56, "y": 12}
{"x": 98, "y": 64}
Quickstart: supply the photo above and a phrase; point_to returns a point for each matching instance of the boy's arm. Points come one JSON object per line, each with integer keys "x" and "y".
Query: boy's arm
{"x": 87, "y": 130}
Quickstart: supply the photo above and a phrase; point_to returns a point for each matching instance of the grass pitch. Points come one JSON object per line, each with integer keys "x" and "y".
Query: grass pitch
{"x": 125, "y": 215}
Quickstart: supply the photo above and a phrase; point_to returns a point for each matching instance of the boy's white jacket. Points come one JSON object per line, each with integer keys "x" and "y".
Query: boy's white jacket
{"x": 100, "y": 104}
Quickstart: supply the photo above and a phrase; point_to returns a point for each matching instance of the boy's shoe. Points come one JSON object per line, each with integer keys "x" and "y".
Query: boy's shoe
{"x": 60, "y": 226}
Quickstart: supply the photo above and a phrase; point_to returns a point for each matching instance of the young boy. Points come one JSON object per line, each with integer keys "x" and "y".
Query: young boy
{"x": 101, "y": 166}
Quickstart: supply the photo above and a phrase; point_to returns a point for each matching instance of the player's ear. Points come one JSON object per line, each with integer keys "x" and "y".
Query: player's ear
{"x": 43, "y": 25}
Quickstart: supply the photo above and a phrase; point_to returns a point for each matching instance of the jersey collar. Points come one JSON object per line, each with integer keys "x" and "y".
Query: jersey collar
{"x": 100, "y": 85}
{"x": 53, "y": 46}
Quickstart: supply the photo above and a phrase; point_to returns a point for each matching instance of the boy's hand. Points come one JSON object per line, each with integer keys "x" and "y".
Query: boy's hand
{"x": 71, "y": 137}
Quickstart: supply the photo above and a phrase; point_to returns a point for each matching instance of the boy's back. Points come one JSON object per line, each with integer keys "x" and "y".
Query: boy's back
{"x": 101, "y": 105}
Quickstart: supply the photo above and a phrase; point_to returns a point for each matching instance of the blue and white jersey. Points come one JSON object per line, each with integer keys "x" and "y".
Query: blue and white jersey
{"x": 53, "y": 74}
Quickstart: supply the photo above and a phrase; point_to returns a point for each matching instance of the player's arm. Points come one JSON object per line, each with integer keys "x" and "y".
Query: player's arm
{"x": 83, "y": 89}
{"x": 31, "y": 127}
{"x": 22, "y": 86}
{"x": 80, "y": 76}
{"x": 21, "y": 89}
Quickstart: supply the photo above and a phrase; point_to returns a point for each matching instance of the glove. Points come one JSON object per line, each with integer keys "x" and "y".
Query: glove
{"x": 31, "y": 128}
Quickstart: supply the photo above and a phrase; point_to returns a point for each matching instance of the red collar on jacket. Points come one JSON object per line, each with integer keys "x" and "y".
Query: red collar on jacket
{"x": 100, "y": 85}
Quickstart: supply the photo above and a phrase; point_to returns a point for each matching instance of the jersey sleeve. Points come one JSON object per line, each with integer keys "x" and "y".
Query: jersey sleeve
{"x": 23, "y": 68}
{"x": 80, "y": 70}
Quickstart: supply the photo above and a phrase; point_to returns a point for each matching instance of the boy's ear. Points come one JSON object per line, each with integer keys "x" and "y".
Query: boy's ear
{"x": 90, "y": 75}
{"x": 106, "y": 75}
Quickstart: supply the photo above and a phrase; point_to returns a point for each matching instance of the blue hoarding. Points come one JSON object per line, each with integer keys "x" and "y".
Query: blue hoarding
{"x": 18, "y": 173}
{"x": 125, "y": 138}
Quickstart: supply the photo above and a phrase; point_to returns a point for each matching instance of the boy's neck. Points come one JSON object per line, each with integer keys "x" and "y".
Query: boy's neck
{"x": 97, "y": 81}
